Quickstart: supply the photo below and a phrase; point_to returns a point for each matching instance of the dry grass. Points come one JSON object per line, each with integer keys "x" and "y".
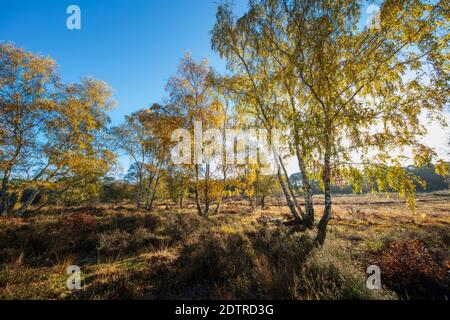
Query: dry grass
{"x": 172, "y": 254}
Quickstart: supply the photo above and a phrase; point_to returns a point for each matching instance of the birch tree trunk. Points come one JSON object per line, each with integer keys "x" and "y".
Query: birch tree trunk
{"x": 322, "y": 227}
{"x": 28, "y": 202}
{"x": 4, "y": 195}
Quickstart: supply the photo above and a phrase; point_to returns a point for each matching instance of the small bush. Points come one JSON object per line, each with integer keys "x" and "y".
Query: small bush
{"x": 118, "y": 243}
{"x": 414, "y": 271}
{"x": 130, "y": 222}
{"x": 227, "y": 256}
{"x": 181, "y": 226}
{"x": 329, "y": 274}
{"x": 283, "y": 248}
{"x": 79, "y": 222}
{"x": 219, "y": 261}
{"x": 114, "y": 243}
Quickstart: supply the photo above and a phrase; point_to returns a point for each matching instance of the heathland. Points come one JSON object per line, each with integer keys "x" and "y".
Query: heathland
{"x": 174, "y": 253}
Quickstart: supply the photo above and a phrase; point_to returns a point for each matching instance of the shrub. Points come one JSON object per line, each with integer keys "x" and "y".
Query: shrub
{"x": 79, "y": 222}
{"x": 26, "y": 283}
{"x": 414, "y": 271}
{"x": 219, "y": 261}
{"x": 132, "y": 221}
{"x": 329, "y": 274}
{"x": 283, "y": 248}
{"x": 114, "y": 243}
{"x": 118, "y": 243}
{"x": 270, "y": 264}
{"x": 181, "y": 226}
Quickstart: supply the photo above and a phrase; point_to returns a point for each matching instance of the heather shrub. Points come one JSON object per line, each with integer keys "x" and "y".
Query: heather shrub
{"x": 329, "y": 274}
{"x": 271, "y": 264}
{"x": 114, "y": 243}
{"x": 78, "y": 222}
{"x": 414, "y": 271}
{"x": 218, "y": 261}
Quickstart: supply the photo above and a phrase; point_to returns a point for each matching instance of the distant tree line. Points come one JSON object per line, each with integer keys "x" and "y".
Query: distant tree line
{"x": 431, "y": 182}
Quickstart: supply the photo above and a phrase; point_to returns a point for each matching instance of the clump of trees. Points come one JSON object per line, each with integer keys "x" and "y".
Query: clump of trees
{"x": 337, "y": 89}
{"x": 196, "y": 100}
{"x": 346, "y": 99}
{"x": 51, "y": 132}
{"x": 146, "y": 138}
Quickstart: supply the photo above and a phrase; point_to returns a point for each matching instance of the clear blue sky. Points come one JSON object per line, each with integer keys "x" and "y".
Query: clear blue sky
{"x": 133, "y": 45}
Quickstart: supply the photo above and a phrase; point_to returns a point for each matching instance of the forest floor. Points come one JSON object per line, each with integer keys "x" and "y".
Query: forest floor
{"x": 124, "y": 253}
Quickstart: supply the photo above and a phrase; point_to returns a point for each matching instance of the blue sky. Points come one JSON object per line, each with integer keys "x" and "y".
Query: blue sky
{"x": 133, "y": 45}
